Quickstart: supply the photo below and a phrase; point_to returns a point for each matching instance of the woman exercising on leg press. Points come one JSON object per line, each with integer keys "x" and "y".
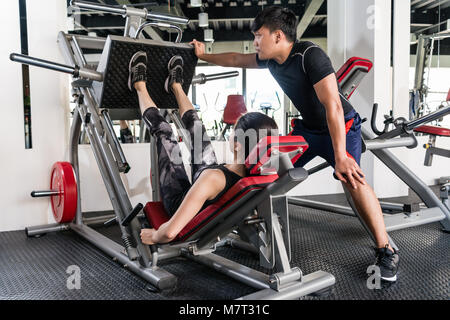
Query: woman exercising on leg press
{"x": 210, "y": 180}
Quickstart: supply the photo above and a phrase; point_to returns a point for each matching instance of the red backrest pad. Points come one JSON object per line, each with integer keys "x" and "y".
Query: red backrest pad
{"x": 263, "y": 150}
{"x": 157, "y": 215}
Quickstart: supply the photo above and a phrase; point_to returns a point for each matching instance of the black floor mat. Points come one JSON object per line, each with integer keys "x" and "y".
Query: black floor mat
{"x": 35, "y": 268}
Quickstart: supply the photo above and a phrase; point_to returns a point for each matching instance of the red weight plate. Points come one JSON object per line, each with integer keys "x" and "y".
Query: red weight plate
{"x": 63, "y": 180}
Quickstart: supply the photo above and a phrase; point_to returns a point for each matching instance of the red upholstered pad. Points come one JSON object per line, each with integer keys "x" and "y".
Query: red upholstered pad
{"x": 235, "y": 193}
{"x": 234, "y": 109}
{"x": 437, "y": 131}
{"x": 263, "y": 150}
{"x": 351, "y": 64}
{"x": 156, "y": 214}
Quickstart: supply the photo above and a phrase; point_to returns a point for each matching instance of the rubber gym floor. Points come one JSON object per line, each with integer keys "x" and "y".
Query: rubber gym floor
{"x": 35, "y": 268}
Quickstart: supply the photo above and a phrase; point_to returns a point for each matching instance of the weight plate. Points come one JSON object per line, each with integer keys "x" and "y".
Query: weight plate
{"x": 64, "y": 205}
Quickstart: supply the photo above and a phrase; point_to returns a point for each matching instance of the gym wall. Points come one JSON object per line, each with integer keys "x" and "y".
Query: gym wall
{"x": 27, "y": 170}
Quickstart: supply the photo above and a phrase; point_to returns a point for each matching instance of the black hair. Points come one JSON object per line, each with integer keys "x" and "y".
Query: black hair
{"x": 251, "y": 127}
{"x": 277, "y": 18}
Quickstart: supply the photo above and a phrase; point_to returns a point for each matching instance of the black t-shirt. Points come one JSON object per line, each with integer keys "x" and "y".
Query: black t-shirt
{"x": 306, "y": 65}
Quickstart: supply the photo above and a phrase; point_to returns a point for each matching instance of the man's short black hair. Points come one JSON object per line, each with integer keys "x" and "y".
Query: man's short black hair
{"x": 277, "y": 18}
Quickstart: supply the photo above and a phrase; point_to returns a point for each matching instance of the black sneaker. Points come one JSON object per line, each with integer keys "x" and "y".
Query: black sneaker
{"x": 137, "y": 69}
{"x": 387, "y": 261}
{"x": 175, "y": 67}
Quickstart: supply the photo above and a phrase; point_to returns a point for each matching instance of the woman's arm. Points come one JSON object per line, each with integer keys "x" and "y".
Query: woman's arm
{"x": 206, "y": 187}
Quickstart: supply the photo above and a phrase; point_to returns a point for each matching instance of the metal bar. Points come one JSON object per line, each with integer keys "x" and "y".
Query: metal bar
{"x": 129, "y": 11}
{"x": 202, "y": 78}
{"x": 160, "y": 25}
{"x": 410, "y": 179}
{"x": 64, "y": 45}
{"x": 390, "y": 143}
{"x": 246, "y": 275}
{"x": 156, "y": 276}
{"x": 167, "y": 18}
{"x": 40, "y": 230}
{"x": 402, "y": 221}
{"x": 114, "y": 142}
{"x": 318, "y": 168}
{"x": 20, "y": 58}
{"x": 113, "y": 183}
{"x": 312, "y": 7}
{"x": 98, "y": 7}
{"x": 309, "y": 284}
{"x": 87, "y": 42}
{"x": 75, "y": 132}
{"x": 428, "y": 118}
{"x": 322, "y": 206}
{"x": 76, "y": 48}
{"x": 98, "y": 220}
{"x": 42, "y": 194}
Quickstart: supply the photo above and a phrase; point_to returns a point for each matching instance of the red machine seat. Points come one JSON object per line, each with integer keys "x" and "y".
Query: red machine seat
{"x": 156, "y": 215}
{"x": 234, "y": 109}
{"x": 433, "y": 130}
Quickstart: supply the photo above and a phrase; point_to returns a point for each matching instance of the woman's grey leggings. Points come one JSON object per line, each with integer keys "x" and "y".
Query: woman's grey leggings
{"x": 174, "y": 182}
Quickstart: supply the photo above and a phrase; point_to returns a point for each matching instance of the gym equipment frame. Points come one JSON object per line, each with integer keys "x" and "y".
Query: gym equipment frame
{"x": 96, "y": 93}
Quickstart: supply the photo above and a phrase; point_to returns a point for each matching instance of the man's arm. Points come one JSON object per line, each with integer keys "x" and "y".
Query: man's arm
{"x": 328, "y": 93}
{"x": 230, "y": 59}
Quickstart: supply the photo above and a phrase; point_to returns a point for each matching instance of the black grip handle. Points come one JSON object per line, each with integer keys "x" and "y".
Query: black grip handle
{"x": 125, "y": 222}
{"x": 373, "y": 123}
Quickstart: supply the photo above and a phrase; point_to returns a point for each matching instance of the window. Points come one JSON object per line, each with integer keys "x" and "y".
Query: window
{"x": 264, "y": 94}
{"x": 211, "y": 97}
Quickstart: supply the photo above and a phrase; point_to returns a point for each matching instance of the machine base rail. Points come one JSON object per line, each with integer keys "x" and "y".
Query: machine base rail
{"x": 392, "y": 221}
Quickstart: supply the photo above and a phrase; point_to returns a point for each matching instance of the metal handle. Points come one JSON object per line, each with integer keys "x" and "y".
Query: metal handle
{"x": 44, "y": 64}
{"x": 124, "y": 11}
{"x": 428, "y": 118}
{"x": 202, "y": 78}
{"x": 373, "y": 123}
{"x": 160, "y": 25}
{"x": 48, "y": 193}
{"x": 76, "y": 71}
{"x": 406, "y": 128}
{"x": 126, "y": 221}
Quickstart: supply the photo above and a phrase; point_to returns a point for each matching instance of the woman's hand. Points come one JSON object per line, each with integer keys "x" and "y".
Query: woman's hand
{"x": 147, "y": 236}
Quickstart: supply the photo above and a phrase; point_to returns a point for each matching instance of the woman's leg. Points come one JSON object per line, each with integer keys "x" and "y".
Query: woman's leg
{"x": 202, "y": 152}
{"x": 174, "y": 182}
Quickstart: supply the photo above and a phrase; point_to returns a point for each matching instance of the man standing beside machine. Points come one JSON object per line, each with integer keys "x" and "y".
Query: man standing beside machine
{"x": 329, "y": 123}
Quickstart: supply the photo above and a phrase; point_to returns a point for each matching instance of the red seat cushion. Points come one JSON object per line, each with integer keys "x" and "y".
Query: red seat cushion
{"x": 433, "y": 130}
{"x": 156, "y": 214}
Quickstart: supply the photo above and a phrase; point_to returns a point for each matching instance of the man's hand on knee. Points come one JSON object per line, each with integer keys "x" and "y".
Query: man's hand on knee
{"x": 349, "y": 172}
